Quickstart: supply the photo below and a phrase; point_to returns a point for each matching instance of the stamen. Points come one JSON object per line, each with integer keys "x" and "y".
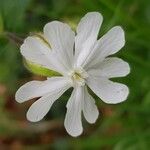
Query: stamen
{"x": 78, "y": 76}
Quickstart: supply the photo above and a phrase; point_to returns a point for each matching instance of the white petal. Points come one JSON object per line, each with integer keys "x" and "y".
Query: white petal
{"x": 36, "y": 51}
{"x": 87, "y": 31}
{"x": 90, "y": 110}
{"x": 61, "y": 38}
{"x": 110, "y": 67}
{"x": 110, "y": 92}
{"x": 73, "y": 122}
{"x": 109, "y": 44}
{"x": 35, "y": 89}
{"x": 41, "y": 107}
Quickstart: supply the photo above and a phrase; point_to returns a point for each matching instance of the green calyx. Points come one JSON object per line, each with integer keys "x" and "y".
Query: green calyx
{"x": 40, "y": 70}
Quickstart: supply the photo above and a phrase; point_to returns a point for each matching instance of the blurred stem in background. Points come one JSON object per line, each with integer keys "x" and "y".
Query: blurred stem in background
{"x": 14, "y": 38}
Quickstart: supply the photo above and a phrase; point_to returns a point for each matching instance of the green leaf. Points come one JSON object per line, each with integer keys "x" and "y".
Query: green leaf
{"x": 13, "y": 13}
{"x": 39, "y": 70}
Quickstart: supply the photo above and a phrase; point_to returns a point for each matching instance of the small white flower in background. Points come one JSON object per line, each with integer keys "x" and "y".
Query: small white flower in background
{"x": 83, "y": 61}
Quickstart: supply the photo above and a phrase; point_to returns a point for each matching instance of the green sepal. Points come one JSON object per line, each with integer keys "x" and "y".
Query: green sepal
{"x": 39, "y": 70}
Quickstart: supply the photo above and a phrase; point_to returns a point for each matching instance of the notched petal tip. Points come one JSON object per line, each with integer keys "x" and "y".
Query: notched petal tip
{"x": 115, "y": 67}
{"x": 120, "y": 30}
{"x": 23, "y": 92}
{"x": 108, "y": 91}
{"x": 128, "y": 69}
{"x": 94, "y": 119}
{"x": 32, "y": 118}
{"x": 122, "y": 95}
{"x": 89, "y": 108}
{"x": 24, "y": 45}
{"x": 125, "y": 93}
{"x": 74, "y": 133}
{"x": 18, "y": 96}
{"x": 94, "y": 14}
{"x": 73, "y": 128}
{"x": 73, "y": 120}
{"x": 55, "y": 24}
{"x": 29, "y": 91}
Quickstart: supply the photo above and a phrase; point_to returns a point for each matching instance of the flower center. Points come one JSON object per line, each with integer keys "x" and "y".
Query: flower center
{"x": 78, "y": 76}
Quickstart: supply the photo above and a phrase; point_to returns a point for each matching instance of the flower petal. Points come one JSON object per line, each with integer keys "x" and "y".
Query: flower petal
{"x": 110, "y": 68}
{"x": 90, "y": 110}
{"x": 87, "y": 31}
{"x": 110, "y": 92}
{"x": 36, "y": 51}
{"x": 41, "y": 107}
{"x": 35, "y": 89}
{"x": 73, "y": 122}
{"x": 61, "y": 38}
{"x": 109, "y": 44}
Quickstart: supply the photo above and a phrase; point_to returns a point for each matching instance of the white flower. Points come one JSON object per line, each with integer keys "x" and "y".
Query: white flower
{"x": 83, "y": 61}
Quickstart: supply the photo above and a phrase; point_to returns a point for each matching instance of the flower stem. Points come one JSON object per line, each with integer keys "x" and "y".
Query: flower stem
{"x": 14, "y": 38}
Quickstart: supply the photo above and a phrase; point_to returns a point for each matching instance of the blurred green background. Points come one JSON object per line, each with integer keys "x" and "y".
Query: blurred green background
{"x": 125, "y": 126}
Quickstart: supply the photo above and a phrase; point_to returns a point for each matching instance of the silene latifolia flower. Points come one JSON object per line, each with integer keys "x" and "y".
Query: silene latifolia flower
{"x": 83, "y": 62}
